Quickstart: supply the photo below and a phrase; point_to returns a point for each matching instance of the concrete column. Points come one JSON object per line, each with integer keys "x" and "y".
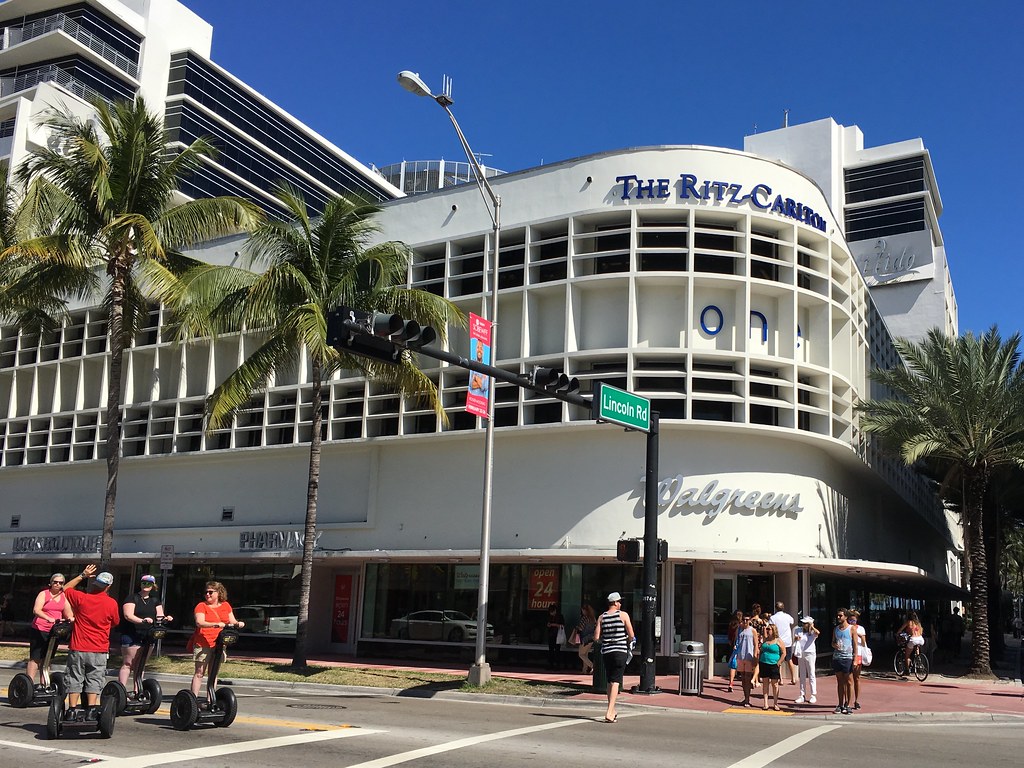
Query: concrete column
{"x": 703, "y": 596}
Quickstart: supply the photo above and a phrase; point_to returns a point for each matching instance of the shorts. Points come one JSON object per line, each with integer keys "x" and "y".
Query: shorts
{"x": 38, "y": 640}
{"x": 789, "y": 653}
{"x": 202, "y": 654}
{"x": 769, "y": 671}
{"x": 86, "y": 671}
{"x": 842, "y": 665}
{"x": 127, "y": 640}
{"x": 614, "y": 665}
{"x": 745, "y": 665}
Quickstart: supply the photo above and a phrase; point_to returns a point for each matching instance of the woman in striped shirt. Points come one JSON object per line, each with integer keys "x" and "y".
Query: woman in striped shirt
{"x": 615, "y": 631}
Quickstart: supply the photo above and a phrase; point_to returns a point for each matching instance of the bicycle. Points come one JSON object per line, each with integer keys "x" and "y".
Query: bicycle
{"x": 919, "y": 664}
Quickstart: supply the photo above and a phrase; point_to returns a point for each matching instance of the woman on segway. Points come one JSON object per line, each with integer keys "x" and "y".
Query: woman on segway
{"x": 48, "y": 608}
{"x": 211, "y": 616}
{"x": 139, "y": 612}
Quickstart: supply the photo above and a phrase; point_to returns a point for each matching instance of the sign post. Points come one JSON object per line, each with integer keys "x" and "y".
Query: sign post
{"x": 166, "y": 564}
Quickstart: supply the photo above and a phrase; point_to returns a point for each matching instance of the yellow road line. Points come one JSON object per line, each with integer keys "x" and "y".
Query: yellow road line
{"x": 276, "y": 722}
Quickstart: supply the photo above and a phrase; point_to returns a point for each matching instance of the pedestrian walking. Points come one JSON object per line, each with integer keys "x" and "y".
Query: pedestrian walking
{"x": 807, "y": 658}
{"x": 770, "y": 658}
{"x": 784, "y": 624}
{"x": 733, "y": 633}
{"x": 585, "y": 632}
{"x": 615, "y": 631}
{"x": 844, "y": 647}
{"x": 858, "y": 658}
{"x": 746, "y": 657}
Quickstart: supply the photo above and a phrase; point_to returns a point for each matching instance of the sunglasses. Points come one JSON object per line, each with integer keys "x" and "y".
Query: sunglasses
{"x": 211, "y": 591}
{"x": 56, "y": 583}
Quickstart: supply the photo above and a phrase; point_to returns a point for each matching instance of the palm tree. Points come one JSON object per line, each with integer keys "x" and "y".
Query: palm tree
{"x": 304, "y": 269}
{"x": 115, "y": 231}
{"x": 958, "y": 404}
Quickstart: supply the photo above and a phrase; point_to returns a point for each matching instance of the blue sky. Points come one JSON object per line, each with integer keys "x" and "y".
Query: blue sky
{"x": 538, "y": 82}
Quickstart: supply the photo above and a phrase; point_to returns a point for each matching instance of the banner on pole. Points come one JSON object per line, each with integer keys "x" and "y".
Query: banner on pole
{"x": 480, "y": 351}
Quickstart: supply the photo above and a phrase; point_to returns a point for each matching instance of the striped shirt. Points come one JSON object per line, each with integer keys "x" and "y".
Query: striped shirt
{"x": 613, "y": 633}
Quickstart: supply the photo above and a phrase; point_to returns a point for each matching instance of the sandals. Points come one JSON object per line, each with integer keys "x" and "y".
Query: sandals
{"x": 613, "y": 719}
{"x": 776, "y": 708}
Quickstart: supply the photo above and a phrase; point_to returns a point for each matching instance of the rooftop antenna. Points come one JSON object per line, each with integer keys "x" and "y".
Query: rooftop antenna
{"x": 755, "y": 127}
{"x": 785, "y": 118}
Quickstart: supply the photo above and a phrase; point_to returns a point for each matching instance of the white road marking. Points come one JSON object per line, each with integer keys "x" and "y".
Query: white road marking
{"x": 472, "y": 741}
{"x": 784, "y": 747}
{"x": 229, "y": 749}
{"x": 53, "y": 750}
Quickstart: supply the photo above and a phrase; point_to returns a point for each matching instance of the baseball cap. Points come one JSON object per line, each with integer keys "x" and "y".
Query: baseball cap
{"x": 148, "y": 579}
{"x": 105, "y": 578}
{"x": 807, "y": 620}
{"x": 614, "y": 597}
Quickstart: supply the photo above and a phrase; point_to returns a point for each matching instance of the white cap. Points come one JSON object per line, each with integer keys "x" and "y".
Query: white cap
{"x": 614, "y": 597}
{"x": 807, "y": 620}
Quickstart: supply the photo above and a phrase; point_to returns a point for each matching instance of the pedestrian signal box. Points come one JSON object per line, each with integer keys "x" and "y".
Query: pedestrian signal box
{"x": 628, "y": 551}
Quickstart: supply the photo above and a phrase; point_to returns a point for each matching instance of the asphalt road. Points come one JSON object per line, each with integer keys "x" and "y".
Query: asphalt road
{"x": 278, "y": 728}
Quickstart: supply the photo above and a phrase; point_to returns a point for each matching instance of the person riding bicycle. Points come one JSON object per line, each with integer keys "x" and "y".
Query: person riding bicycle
{"x": 914, "y": 634}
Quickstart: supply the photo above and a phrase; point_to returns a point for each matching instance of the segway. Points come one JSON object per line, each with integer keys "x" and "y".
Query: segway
{"x": 220, "y": 705}
{"x": 81, "y": 719}
{"x": 23, "y": 691}
{"x": 147, "y": 695}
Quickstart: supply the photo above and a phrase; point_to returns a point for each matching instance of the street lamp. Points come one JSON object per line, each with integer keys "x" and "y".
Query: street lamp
{"x": 480, "y": 672}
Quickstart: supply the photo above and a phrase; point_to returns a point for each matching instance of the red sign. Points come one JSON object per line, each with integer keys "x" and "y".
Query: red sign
{"x": 342, "y": 608}
{"x": 480, "y": 351}
{"x": 543, "y": 587}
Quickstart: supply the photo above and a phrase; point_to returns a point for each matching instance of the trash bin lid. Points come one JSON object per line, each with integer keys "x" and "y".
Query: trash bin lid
{"x": 691, "y": 646}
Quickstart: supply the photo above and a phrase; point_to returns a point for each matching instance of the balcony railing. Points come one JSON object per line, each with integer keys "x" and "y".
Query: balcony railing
{"x": 64, "y": 23}
{"x": 52, "y": 73}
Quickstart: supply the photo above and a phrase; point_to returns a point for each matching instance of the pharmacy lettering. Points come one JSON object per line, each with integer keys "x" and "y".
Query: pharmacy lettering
{"x": 677, "y": 499}
{"x": 273, "y": 541}
{"x": 759, "y": 196}
{"x": 57, "y": 544}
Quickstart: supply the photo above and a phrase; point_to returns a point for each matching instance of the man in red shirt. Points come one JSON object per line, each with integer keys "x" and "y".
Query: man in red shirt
{"x": 95, "y": 614}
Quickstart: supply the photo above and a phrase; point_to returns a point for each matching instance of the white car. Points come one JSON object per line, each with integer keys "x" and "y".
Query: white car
{"x": 453, "y": 626}
{"x": 269, "y": 619}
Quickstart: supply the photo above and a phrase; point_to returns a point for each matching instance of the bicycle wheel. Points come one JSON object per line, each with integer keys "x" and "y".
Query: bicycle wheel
{"x": 921, "y": 667}
{"x": 899, "y": 662}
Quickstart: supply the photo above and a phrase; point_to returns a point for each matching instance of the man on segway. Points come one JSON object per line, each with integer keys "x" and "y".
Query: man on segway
{"x": 96, "y": 614}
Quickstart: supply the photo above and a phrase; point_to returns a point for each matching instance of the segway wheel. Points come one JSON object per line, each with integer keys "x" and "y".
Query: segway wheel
{"x": 107, "y": 716}
{"x": 184, "y": 710}
{"x": 114, "y": 690}
{"x": 21, "y": 691}
{"x": 55, "y": 719}
{"x": 228, "y": 704}
{"x": 59, "y": 683}
{"x": 154, "y": 693}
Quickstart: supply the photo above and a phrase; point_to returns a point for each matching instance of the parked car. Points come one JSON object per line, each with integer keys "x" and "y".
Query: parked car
{"x": 269, "y": 619}
{"x": 453, "y": 626}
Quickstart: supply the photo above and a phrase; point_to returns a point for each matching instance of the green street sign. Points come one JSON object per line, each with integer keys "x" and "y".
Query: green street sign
{"x": 621, "y": 407}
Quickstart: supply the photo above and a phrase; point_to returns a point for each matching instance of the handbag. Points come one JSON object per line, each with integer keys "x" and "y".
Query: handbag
{"x": 574, "y": 638}
{"x": 732, "y": 659}
{"x": 560, "y": 639}
{"x": 865, "y": 656}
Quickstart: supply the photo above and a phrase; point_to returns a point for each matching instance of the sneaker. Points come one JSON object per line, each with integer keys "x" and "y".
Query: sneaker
{"x": 838, "y": 710}
{"x": 814, "y": 699}
{"x": 856, "y": 705}
{"x": 799, "y": 700}
{"x": 846, "y": 711}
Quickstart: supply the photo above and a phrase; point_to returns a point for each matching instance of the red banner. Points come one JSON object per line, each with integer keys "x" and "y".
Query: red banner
{"x": 342, "y": 608}
{"x": 543, "y": 587}
{"x": 480, "y": 351}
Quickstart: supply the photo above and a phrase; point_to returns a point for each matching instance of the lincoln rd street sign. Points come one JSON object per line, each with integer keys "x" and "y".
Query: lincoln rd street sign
{"x": 621, "y": 407}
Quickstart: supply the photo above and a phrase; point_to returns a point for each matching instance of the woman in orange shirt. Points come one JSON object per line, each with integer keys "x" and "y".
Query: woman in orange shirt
{"x": 211, "y": 616}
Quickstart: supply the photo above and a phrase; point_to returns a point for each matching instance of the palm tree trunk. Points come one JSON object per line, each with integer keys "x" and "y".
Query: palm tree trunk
{"x": 975, "y": 511}
{"x": 113, "y": 444}
{"x": 309, "y": 541}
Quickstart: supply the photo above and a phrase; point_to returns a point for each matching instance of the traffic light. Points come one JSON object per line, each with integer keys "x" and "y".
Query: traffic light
{"x": 628, "y": 551}
{"x": 375, "y": 334}
{"x": 553, "y": 380}
{"x": 662, "y": 550}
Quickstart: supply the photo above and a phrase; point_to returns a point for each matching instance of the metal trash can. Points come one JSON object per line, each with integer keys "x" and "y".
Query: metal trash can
{"x": 692, "y": 658}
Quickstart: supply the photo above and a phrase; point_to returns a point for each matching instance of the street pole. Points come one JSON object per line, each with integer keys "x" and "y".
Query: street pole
{"x": 480, "y": 672}
{"x": 648, "y": 608}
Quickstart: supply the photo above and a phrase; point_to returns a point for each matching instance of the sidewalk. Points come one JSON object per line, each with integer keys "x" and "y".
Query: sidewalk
{"x": 946, "y": 694}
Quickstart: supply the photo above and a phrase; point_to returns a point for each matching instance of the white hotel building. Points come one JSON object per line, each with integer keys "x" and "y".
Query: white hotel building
{"x": 747, "y": 294}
